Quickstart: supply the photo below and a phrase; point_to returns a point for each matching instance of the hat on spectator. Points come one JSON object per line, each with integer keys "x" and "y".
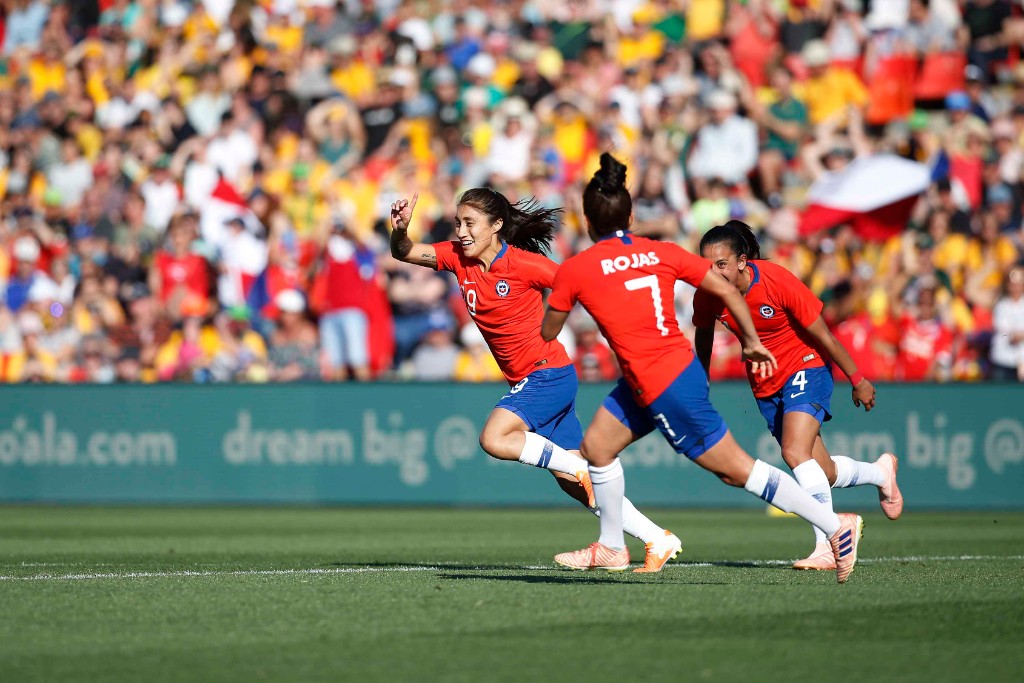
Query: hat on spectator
{"x": 958, "y": 100}
{"x": 52, "y": 197}
{"x": 974, "y": 73}
{"x": 482, "y": 65}
{"x": 290, "y": 301}
{"x": 1003, "y": 129}
{"x": 239, "y": 313}
{"x": 26, "y": 249}
{"x": 43, "y": 290}
{"x": 444, "y": 75}
{"x": 999, "y": 194}
{"x": 470, "y": 335}
{"x": 476, "y": 98}
{"x": 721, "y": 99}
{"x": 82, "y": 231}
{"x": 439, "y": 320}
{"x": 30, "y": 323}
{"x": 918, "y": 121}
{"x": 815, "y": 53}
{"x": 343, "y": 45}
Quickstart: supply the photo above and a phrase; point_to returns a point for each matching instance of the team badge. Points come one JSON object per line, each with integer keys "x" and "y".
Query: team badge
{"x": 767, "y": 312}
{"x": 501, "y": 288}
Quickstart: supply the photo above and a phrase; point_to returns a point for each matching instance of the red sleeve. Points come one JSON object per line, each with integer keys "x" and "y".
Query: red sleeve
{"x": 706, "y": 308}
{"x": 795, "y": 297}
{"x": 446, "y": 256}
{"x": 537, "y": 271}
{"x": 563, "y": 289}
{"x": 689, "y": 268}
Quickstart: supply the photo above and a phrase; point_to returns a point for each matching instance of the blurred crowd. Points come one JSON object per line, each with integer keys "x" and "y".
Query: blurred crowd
{"x": 199, "y": 190}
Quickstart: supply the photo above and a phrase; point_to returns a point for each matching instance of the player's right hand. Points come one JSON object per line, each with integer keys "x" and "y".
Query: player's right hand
{"x": 401, "y": 212}
{"x": 762, "y": 361}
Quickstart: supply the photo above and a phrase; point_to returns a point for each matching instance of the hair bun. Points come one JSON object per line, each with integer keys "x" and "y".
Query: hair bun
{"x": 612, "y": 176}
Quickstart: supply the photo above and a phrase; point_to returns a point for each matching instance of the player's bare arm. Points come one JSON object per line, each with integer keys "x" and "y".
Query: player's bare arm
{"x": 554, "y": 320}
{"x": 863, "y": 390}
{"x": 761, "y": 359}
{"x": 703, "y": 342}
{"x": 402, "y": 247}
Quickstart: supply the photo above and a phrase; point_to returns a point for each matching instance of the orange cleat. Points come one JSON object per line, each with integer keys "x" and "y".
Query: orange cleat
{"x": 845, "y": 543}
{"x": 821, "y": 559}
{"x": 595, "y": 556}
{"x": 659, "y": 552}
{"x": 889, "y": 495}
{"x": 583, "y": 477}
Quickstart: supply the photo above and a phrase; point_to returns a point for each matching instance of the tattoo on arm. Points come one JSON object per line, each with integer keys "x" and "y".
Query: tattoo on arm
{"x": 401, "y": 245}
{"x": 431, "y": 258}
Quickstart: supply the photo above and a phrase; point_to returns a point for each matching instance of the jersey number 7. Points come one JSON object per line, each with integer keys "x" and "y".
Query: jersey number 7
{"x": 651, "y": 282}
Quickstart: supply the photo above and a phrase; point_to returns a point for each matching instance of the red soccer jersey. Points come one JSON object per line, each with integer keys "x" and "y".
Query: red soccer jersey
{"x": 925, "y": 345}
{"x": 628, "y": 285}
{"x": 782, "y": 308}
{"x": 506, "y": 304}
{"x": 189, "y": 271}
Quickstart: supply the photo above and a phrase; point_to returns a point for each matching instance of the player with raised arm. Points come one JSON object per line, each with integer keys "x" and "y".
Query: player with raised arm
{"x": 626, "y": 283}
{"x": 502, "y": 272}
{"x": 795, "y": 401}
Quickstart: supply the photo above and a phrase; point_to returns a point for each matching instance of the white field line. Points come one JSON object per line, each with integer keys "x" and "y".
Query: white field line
{"x": 185, "y": 573}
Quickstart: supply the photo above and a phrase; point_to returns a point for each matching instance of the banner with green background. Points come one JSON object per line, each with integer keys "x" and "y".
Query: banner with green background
{"x": 959, "y": 446}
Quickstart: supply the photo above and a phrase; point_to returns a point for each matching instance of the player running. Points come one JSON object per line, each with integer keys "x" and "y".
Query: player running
{"x": 626, "y": 283}
{"x": 796, "y": 399}
{"x": 502, "y": 272}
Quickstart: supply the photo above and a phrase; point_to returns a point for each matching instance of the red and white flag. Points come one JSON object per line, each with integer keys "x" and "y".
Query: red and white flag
{"x": 224, "y": 204}
{"x": 874, "y": 194}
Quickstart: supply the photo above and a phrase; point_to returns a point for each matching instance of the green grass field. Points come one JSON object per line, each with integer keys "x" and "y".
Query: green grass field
{"x": 101, "y": 594}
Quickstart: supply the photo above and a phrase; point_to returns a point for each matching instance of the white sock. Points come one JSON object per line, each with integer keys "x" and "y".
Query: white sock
{"x": 850, "y": 472}
{"x": 636, "y": 523}
{"x": 812, "y": 479}
{"x": 774, "y": 486}
{"x": 609, "y": 490}
{"x": 539, "y": 452}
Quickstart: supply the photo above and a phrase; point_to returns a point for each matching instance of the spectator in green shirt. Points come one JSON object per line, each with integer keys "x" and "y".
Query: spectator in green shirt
{"x": 785, "y": 123}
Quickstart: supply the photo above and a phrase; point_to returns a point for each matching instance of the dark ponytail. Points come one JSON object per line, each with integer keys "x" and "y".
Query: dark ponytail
{"x": 606, "y": 201}
{"x": 737, "y": 235}
{"x": 525, "y": 224}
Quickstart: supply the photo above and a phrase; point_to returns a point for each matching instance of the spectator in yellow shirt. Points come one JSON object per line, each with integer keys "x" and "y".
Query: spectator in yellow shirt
{"x": 32, "y": 363}
{"x": 475, "y": 362}
{"x": 829, "y": 92}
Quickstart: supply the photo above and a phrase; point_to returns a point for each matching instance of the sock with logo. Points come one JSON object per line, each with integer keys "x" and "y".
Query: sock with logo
{"x": 539, "y": 452}
{"x": 812, "y": 479}
{"x": 850, "y": 472}
{"x": 774, "y": 486}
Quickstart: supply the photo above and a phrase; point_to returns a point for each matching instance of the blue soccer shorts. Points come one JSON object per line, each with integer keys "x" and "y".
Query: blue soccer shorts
{"x": 805, "y": 391}
{"x": 682, "y": 413}
{"x": 546, "y": 401}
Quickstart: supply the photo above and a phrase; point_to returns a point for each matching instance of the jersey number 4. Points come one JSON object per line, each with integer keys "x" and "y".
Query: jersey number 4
{"x": 651, "y": 282}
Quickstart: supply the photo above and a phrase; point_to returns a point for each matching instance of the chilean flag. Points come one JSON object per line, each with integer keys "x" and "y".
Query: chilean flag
{"x": 874, "y": 194}
{"x": 223, "y": 204}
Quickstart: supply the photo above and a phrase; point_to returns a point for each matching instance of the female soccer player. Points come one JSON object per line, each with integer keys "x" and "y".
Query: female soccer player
{"x": 626, "y": 283}
{"x": 794, "y": 401}
{"x": 501, "y": 272}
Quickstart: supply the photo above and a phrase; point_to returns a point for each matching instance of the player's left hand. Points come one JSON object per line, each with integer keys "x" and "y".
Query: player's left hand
{"x": 761, "y": 360}
{"x": 864, "y": 394}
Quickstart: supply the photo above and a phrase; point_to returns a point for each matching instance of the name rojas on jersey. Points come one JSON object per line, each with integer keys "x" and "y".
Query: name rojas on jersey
{"x": 620, "y": 263}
